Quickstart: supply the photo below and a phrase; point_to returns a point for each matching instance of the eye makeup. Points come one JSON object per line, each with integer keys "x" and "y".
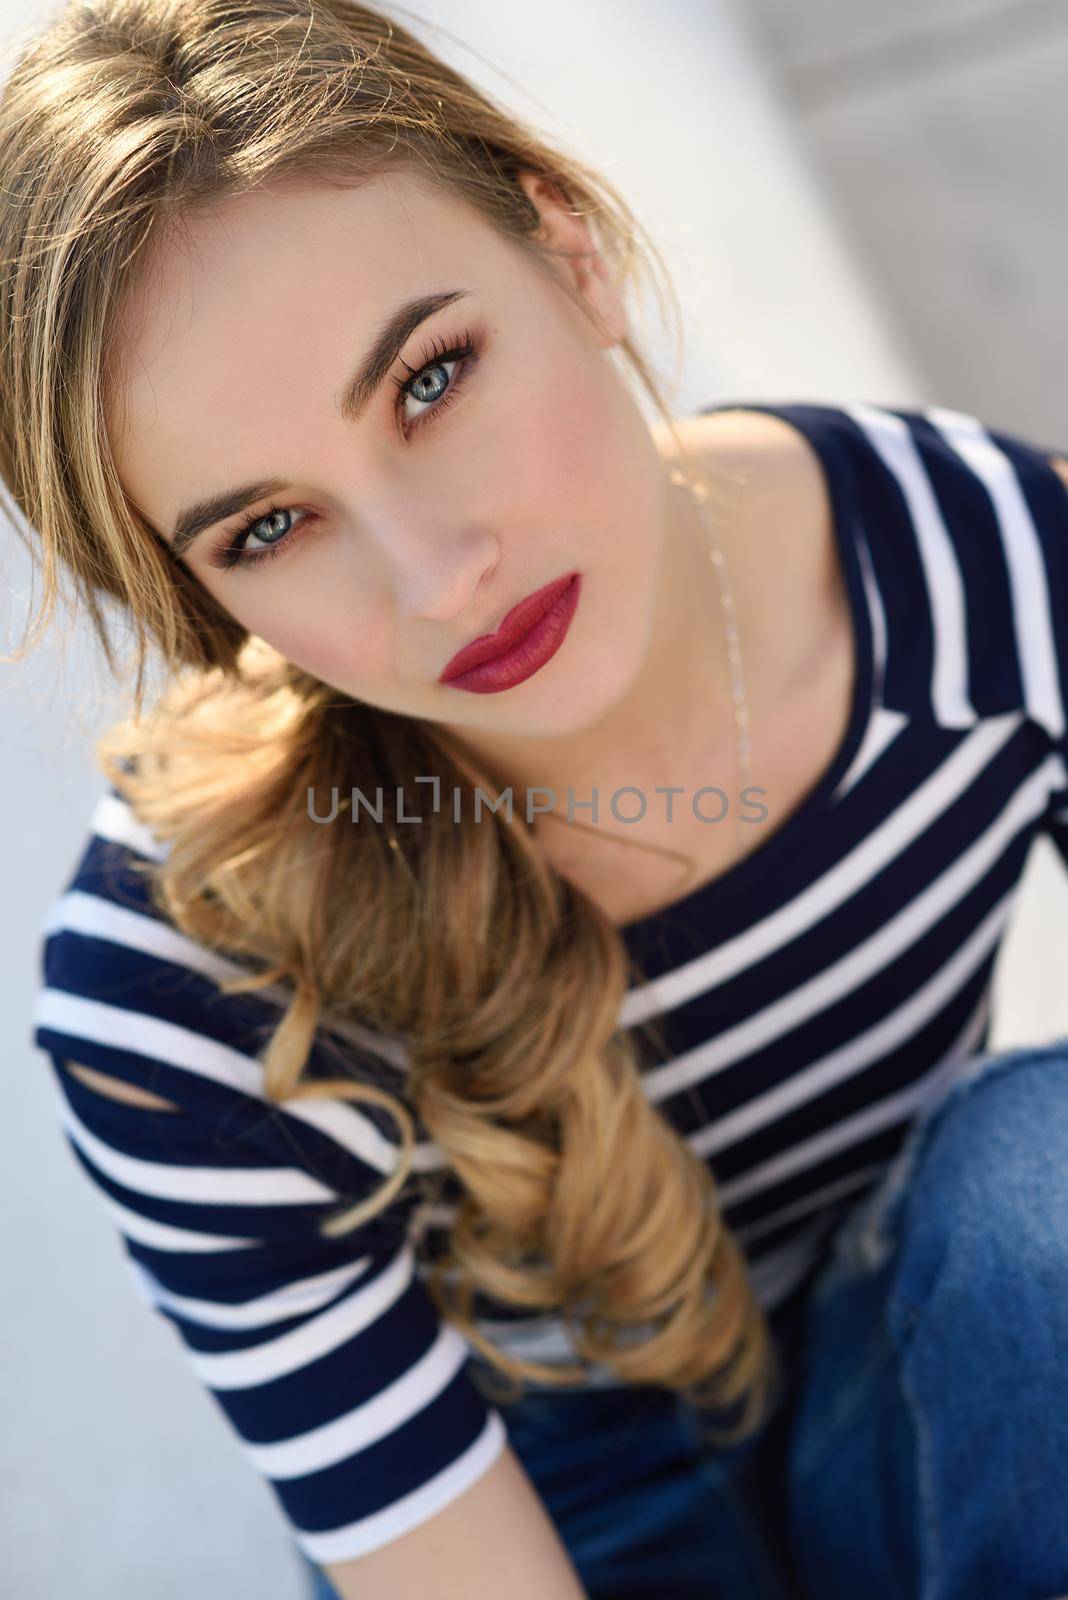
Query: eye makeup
{"x": 230, "y": 553}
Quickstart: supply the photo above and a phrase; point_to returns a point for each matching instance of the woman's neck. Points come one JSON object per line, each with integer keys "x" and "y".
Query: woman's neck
{"x": 773, "y": 521}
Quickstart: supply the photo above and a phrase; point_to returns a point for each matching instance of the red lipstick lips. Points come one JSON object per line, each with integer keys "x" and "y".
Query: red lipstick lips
{"x": 528, "y": 637}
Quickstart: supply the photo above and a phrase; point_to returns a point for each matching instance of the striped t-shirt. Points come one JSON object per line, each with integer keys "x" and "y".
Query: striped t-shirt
{"x": 812, "y": 999}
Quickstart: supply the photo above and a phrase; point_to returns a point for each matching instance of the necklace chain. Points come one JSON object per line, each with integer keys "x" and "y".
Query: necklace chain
{"x": 698, "y": 492}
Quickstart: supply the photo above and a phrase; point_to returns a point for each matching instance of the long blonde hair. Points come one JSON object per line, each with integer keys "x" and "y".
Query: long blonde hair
{"x": 504, "y": 981}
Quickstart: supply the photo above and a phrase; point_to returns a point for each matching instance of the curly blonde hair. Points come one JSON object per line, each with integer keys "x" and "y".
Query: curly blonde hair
{"x": 504, "y": 980}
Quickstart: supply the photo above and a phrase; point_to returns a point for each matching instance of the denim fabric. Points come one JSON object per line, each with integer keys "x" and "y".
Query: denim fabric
{"x": 919, "y": 1449}
{"x": 953, "y": 1276}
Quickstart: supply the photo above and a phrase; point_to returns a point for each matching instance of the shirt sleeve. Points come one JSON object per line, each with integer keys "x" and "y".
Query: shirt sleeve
{"x": 346, "y": 1389}
{"x": 1057, "y": 816}
{"x": 1039, "y": 570}
{"x": 1030, "y": 501}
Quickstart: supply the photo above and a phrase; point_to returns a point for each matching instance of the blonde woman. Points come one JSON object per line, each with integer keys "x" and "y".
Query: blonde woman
{"x": 523, "y": 997}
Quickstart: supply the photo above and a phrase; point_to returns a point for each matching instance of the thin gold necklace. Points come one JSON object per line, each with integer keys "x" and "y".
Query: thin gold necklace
{"x": 699, "y": 493}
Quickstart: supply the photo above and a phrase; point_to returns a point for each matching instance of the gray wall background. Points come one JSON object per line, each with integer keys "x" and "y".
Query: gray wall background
{"x": 854, "y": 205}
{"x": 938, "y": 130}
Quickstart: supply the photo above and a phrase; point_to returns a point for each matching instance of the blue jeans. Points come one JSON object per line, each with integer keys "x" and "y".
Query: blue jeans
{"x": 920, "y": 1444}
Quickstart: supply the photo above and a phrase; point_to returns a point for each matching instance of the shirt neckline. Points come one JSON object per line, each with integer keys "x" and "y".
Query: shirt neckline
{"x": 640, "y": 935}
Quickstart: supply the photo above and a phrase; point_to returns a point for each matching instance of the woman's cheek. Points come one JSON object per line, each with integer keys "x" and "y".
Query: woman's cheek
{"x": 325, "y": 636}
{"x": 556, "y": 445}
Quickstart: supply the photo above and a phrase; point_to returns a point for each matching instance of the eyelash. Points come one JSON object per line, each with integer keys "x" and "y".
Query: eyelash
{"x": 230, "y": 555}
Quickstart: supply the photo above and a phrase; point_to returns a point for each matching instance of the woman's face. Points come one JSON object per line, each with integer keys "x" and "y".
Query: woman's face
{"x": 410, "y": 524}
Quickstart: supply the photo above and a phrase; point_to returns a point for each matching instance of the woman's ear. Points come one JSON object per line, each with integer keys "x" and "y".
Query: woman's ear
{"x": 568, "y": 238}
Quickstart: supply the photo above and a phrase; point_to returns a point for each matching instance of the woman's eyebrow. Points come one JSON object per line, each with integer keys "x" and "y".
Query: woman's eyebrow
{"x": 356, "y": 395}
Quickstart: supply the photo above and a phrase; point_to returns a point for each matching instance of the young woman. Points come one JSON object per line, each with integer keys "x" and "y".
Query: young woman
{"x": 542, "y": 928}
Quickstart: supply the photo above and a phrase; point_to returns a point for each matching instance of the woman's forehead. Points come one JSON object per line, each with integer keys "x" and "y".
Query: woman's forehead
{"x": 265, "y": 287}
{"x": 241, "y": 343}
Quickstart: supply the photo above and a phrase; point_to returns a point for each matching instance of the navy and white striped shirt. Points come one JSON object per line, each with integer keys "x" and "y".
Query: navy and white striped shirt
{"x": 812, "y": 998}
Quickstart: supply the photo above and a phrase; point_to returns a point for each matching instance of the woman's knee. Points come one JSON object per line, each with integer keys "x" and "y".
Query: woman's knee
{"x": 986, "y": 1209}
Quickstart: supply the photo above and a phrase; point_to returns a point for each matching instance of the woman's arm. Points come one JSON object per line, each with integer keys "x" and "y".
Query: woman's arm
{"x": 495, "y": 1540}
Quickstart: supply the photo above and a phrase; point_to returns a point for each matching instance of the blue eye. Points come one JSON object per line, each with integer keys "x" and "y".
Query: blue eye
{"x": 433, "y": 360}
{"x": 232, "y": 552}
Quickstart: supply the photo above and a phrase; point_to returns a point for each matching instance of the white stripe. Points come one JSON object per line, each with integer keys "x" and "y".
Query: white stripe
{"x": 824, "y": 1196}
{"x": 164, "y": 1236}
{"x": 776, "y": 1274}
{"x": 430, "y": 1215}
{"x": 1032, "y": 604}
{"x": 90, "y": 914}
{"x": 216, "y": 1185}
{"x": 113, "y": 819}
{"x": 877, "y": 614}
{"x": 883, "y": 728}
{"x": 373, "y": 1419}
{"x": 370, "y": 1533}
{"x": 546, "y": 1340}
{"x": 883, "y": 845}
{"x": 294, "y": 1300}
{"x": 289, "y": 1352}
{"x": 893, "y": 440}
{"x": 830, "y": 1141}
{"x": 862, "y": 1125}
{"x": 834, "y": 982}
{"x": 850, "y": 1059}
{"x": 120, "y": 1028}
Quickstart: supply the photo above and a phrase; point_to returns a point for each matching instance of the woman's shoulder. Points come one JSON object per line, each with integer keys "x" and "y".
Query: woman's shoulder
{"x": 774, "y": 519}
{"x": 124, "y": 992}
{"x": 962, "y": 522}
{"x": 960, "y": 525}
